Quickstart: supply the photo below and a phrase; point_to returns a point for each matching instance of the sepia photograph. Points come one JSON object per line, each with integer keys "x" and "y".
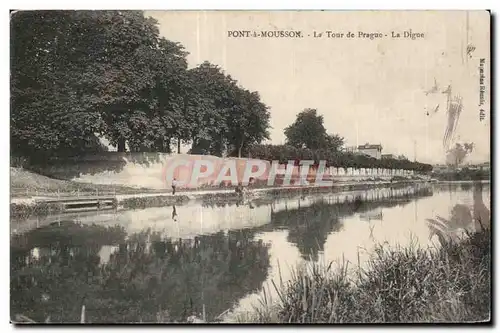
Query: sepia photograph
{"x": 250, "y": 167}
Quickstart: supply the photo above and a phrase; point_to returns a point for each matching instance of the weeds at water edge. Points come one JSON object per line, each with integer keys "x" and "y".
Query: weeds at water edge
{"x": 449, "y": 284}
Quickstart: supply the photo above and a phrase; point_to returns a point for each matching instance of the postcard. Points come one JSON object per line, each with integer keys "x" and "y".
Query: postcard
{"x": 250, "y": 167}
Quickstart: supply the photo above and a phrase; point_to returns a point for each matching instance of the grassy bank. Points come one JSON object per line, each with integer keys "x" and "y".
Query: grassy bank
{"x": 25, "y": 210}
{"x": 24, "y": 183}
{"x": 405, "y": 285}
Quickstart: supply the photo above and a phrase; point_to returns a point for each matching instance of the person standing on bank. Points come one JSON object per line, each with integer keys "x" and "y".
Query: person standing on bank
{"x": 174, "y": 185}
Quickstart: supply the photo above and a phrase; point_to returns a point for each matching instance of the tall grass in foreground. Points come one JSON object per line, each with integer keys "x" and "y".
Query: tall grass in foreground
{"x": 449, "y": 284}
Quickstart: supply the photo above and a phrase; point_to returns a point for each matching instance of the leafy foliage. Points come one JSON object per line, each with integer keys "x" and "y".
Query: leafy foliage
{"x": 456, "y": 155}
{"x": 77, "y": 75}
{"x": 224, "y": 117}
{"x": 308, "y": 131}
{"x": 339, "y": 159}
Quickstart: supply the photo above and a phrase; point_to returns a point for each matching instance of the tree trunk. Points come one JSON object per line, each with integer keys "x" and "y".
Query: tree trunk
{"x": 167, "y": 146}
{"x": 178, "y": 146}
{"x": 221, "y": 145}
{"x": 216, "y": 147}
{"x": 159, "y": 146}
{"x": 121, "y": 145}
{"x": 240, "y": 148}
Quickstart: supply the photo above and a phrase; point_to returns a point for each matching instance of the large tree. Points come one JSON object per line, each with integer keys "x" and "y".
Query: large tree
{"x": 166, "y": 119}
{"x": 134, "y": 69}
{"x": 248, "y": 122}
{"x": 223, "y": 117}
{"x": 48, "y": 108}
{"x": 76, "y": 73}
{"x": 208, "y": 105}
{"x": 308, "y": 131}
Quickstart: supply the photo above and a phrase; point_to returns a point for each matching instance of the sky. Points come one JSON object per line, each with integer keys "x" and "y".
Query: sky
{"x": 369, "y": 91}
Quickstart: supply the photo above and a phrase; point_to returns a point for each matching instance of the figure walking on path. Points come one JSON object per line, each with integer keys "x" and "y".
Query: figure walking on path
{"x": 174, "y": 185}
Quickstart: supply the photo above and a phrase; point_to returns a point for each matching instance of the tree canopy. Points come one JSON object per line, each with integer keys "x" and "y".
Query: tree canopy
{"x": 457, "y": 154}
{"x": 338, "y": 159}
{"x": 80, "y": 75}
{"x": 308, "y": 131}
{"x": 77, "y": 75}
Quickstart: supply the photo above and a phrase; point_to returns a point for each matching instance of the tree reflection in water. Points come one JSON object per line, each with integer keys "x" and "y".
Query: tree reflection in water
{"x": 148, "y": 279}
{"x": 462, "y": 218}
{"x": 309, "y": 227}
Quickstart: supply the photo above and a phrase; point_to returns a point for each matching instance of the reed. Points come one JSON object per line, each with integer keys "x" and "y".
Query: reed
{"x": 398, "y": 285}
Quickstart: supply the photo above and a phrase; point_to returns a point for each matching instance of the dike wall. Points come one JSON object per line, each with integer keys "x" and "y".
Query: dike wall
{"x": 151, "y": 170}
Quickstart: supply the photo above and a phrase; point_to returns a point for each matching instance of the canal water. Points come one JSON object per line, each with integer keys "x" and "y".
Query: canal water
{"x": 215, "y": 260}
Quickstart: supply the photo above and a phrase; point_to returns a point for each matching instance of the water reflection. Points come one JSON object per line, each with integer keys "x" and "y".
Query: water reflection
{"x": 168, "y": 263}
{"x": 373, "y": 215}
{"x": 398, "y": 221}
{"x": 309, "y": 225}
{"x": 463, "y": 218}
{"x": 140, "y": 278}
{"x": 211, "y": 216}
{"x": 174, "y": 214}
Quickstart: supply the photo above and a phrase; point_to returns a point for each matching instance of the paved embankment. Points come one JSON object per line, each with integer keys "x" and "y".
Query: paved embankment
{"x": 197, "y": 194}
{"x": 40, "y": 205}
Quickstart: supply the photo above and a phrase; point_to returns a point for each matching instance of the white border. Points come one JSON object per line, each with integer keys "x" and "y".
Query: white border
{"x": 255, "y": 4}
{"x": 189, "y": 5}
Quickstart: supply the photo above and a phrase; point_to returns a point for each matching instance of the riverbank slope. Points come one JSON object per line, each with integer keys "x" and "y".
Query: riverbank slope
{"x": 38, "y": 189}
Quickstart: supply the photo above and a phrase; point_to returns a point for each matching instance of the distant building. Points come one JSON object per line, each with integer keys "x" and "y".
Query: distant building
{"x": 481, "y": 166}
{"x": 371, "y": 150}
{"x": 351, "y": 149}
{"x": 387, "y": 156}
